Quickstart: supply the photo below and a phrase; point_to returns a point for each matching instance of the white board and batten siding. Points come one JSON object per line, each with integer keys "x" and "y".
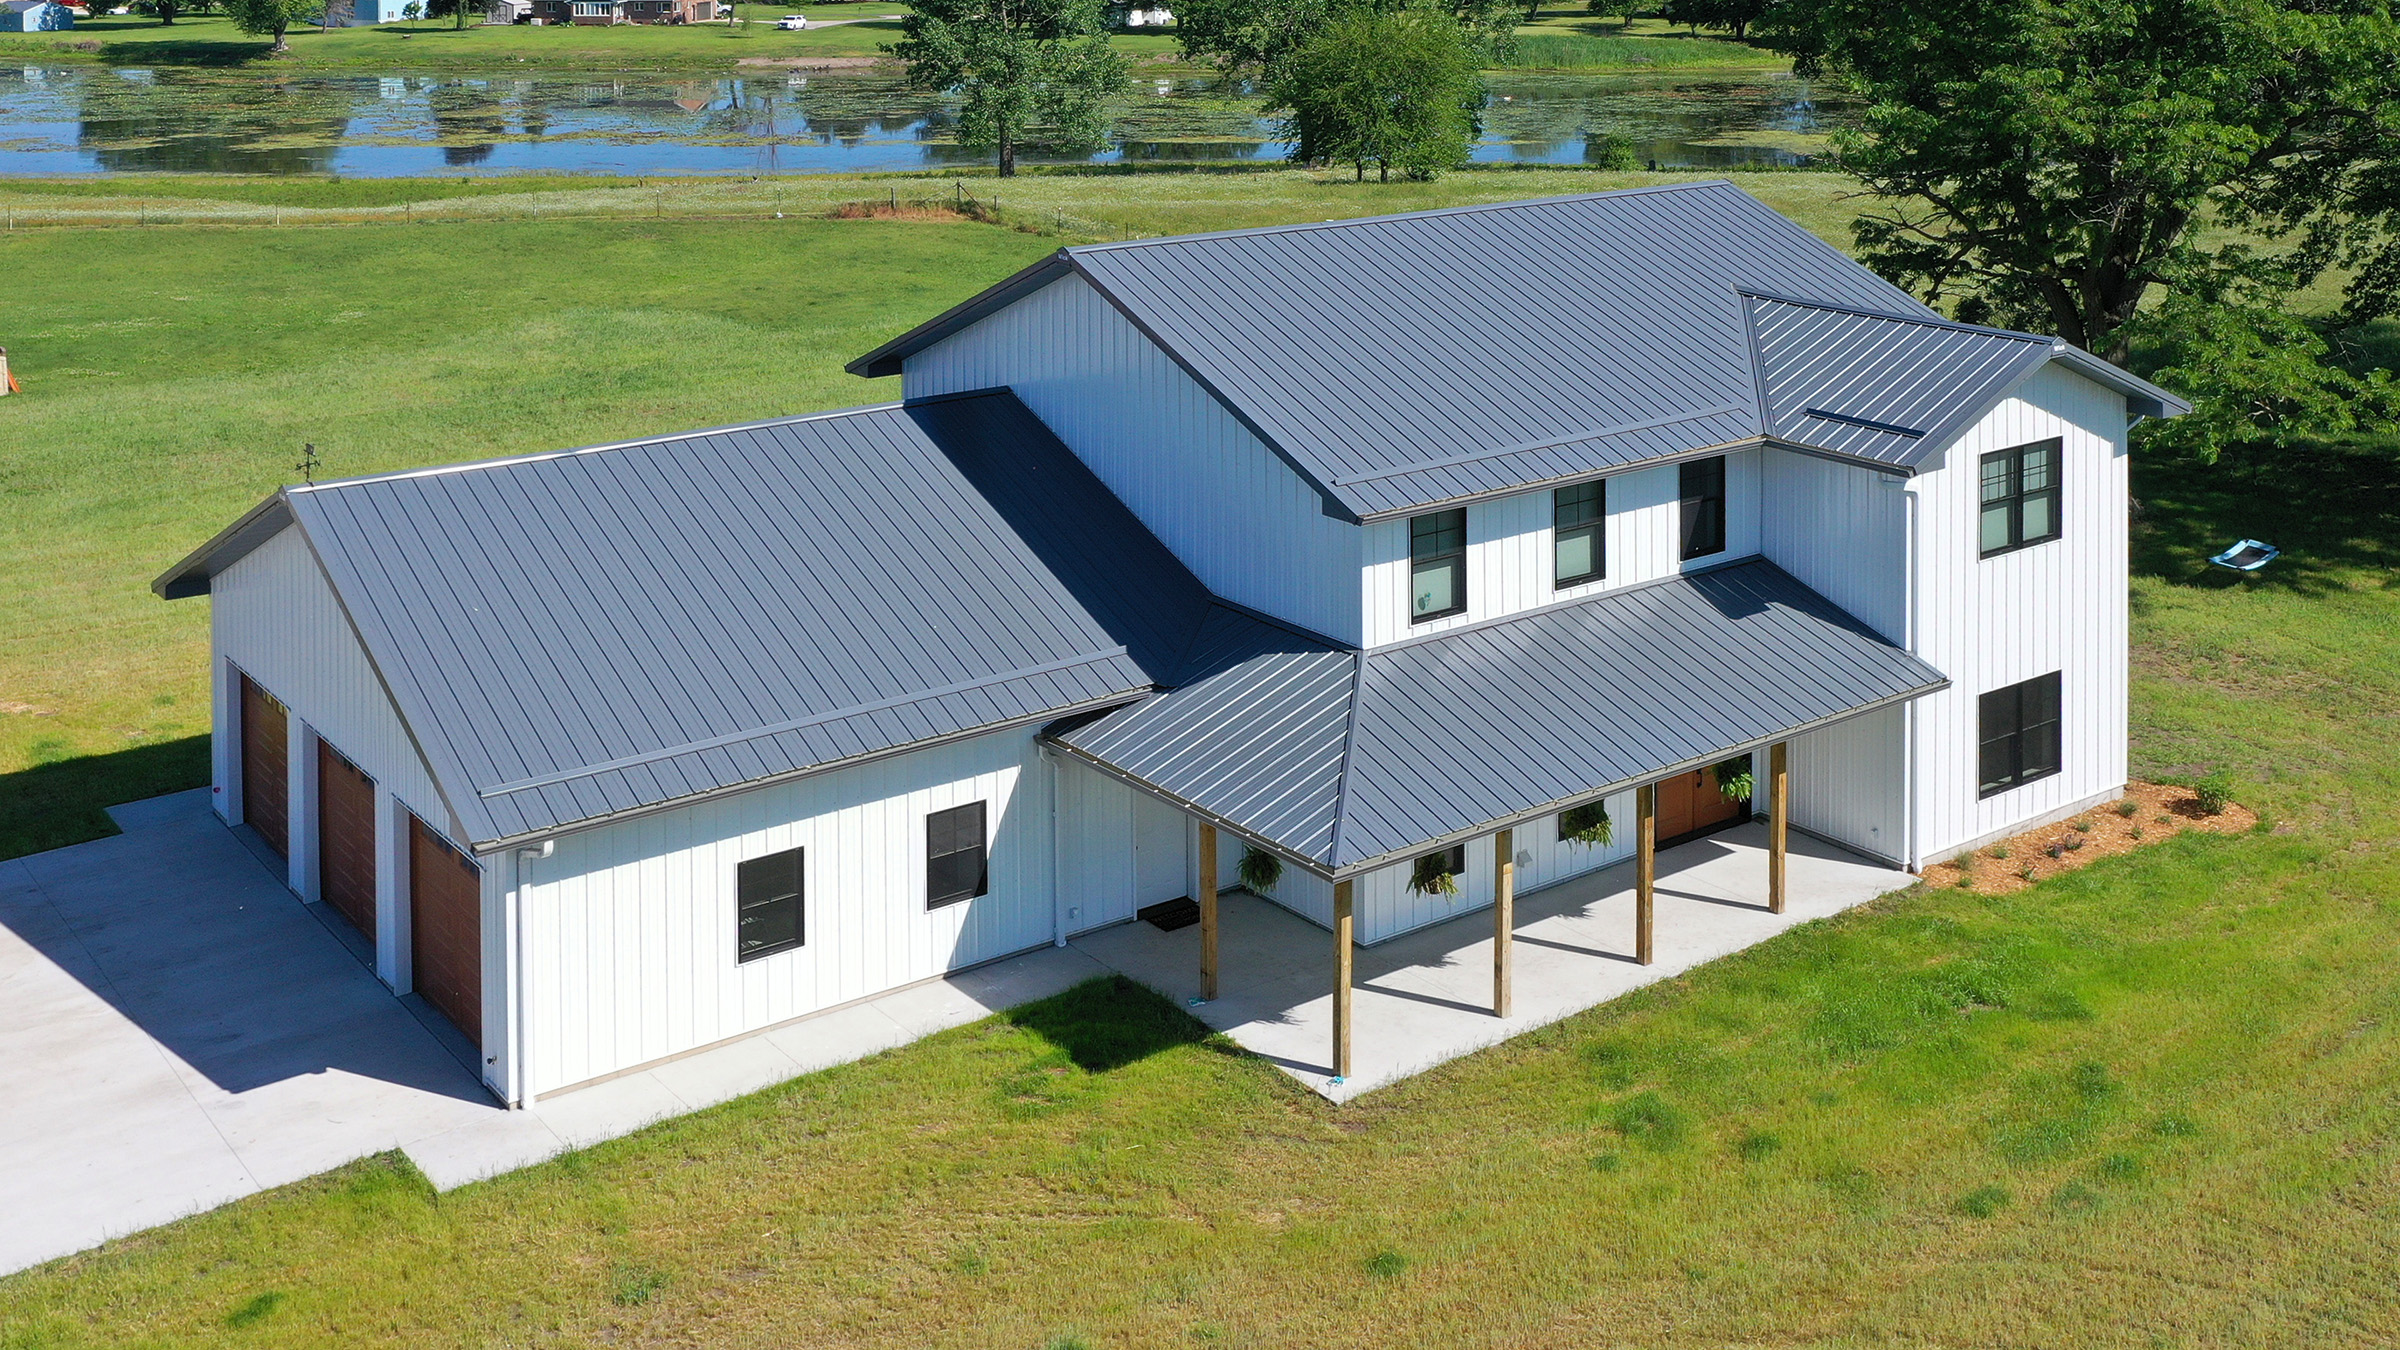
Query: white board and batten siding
{"x": 1118, "y": 849}
{"x": 1991, "y": 622}
{"x": 1511, "y": 565}
{"x": 274, "y": 617}
{"x": 1245, "y": 523}
{"x": 630, "y": 928}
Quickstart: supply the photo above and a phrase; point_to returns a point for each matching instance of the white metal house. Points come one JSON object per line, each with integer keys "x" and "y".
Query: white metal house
{"x": 1393, "y": 549}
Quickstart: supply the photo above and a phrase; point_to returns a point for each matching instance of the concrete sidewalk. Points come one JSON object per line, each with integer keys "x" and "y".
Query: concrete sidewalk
{"x": 1426, "y": 997}
{"x": 177, "y": 1030}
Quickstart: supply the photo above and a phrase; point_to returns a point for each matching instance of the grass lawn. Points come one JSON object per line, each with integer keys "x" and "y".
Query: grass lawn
{"x": 1572, "y": 39}
{"x": 860, "y": 30}
{"x": 2151, "y": 1103}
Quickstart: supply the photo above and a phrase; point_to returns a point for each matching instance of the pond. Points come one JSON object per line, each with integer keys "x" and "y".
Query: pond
{"x": 80, "y": 120}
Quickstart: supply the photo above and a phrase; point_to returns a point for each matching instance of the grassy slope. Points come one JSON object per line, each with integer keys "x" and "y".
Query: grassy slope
{"x": 1780, "y": 1148}
{"x": 1571, "y": 39}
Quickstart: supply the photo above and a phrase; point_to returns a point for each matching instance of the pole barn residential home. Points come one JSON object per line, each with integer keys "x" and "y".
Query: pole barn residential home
{"x": 1406, "y": 551}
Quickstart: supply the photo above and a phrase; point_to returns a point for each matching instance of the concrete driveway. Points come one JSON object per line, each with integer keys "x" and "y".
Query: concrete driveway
{"x": 176, "y": 1030}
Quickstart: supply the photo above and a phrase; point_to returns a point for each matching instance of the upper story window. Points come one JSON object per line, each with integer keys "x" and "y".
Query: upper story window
{"x": 2018, "y": 731}
{"x": 1703, "y": 507}
{"x": 1578, "y": 518}
{"x": 955, "y": 867}
{"x": 1437, "y": 565}
{"x": 2020, "y": 496}
{"x": 770, "y": 917}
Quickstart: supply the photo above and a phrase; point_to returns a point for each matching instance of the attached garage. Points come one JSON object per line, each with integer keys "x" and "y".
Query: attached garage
{"x": 445, "y": 906}
{"x": 266, "y": 767}
{"x": 346, "y": 838}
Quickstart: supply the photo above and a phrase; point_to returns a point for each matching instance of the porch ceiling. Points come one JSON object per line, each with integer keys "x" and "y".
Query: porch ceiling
{"x": 1345, "y": 760}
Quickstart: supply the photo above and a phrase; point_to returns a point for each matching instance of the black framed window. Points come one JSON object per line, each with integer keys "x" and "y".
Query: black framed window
{"x": 2020, "y": 496}
{"x": 955, "y": 857}
{"x": 1450, "y": 862}
{"x": 1703, "y": 506}
{"x": 2018, "y": 727}
{"x": 1437, "y": 565}
{"x": 772, "y": 911}
{"x": 1578, "y": 520}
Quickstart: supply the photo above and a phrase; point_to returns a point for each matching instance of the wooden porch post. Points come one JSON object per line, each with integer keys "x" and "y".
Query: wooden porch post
{"x": 1208, "y": 912}
{"x": 1504, "y": 914}
{"x": 1645, "y": 866}
{"x": 1341, "y": 979}
{"x": 1779, "y": 819}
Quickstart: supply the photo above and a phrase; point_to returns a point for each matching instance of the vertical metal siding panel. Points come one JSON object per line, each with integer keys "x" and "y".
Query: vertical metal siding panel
{"x": 1238, "y": 516}
{"x": 2058, "y": 606}
{"x": 1849, "y": 783}
{"x": 273, "y": 615}
{"x": 638, "y": 960}
{"x": 1840, "y": 530}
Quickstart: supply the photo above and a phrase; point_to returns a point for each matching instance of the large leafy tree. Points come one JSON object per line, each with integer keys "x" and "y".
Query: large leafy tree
{"x": 2050, "y": 163}
{"x": 272, "y": 17}
{"x": 1734, "y": 16}
{"x": 1253, "y": 37}
{"x": 1028, "y": 72}
{"x": 1394, "y": 90}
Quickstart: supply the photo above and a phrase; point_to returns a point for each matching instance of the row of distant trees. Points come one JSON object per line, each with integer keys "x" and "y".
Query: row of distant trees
{"x": 2151, "y": 176}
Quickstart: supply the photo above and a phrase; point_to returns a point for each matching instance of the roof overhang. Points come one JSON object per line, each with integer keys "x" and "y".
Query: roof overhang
{"x": 252, "y": 528}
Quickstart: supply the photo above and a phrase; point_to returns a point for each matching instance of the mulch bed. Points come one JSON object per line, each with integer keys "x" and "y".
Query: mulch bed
{"x": 2160, "y": 811}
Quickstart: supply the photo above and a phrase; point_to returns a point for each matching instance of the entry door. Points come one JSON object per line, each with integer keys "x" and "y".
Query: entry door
{"x": 266, "y": 767}
{"x": 445, "y": 928}
{"x": 346, "y": 839}
{"x": 1692, "y": 803}
{"x": 1160, "y": 865}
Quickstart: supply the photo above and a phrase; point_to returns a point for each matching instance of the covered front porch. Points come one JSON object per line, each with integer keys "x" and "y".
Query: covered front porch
{"x": 1426, "y": 996}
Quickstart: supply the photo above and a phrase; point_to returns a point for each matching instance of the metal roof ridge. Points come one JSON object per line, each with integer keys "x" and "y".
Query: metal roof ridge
{"x": 1929, "y": 321}
{"x": 1077, "y": 250}
{"x": 1349, "y": 761}
{"x": 541, "y": 456}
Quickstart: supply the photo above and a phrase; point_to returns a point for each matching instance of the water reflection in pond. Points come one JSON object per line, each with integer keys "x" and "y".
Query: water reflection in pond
{"x": 87, "y": 120}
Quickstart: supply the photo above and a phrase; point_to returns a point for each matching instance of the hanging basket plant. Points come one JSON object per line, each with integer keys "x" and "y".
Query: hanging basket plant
{"x": 1587, "y": 824}
{"x": 1436, "y": 873}
{"x": 1734, "y": 779}
{"x": 1259, "y": 870}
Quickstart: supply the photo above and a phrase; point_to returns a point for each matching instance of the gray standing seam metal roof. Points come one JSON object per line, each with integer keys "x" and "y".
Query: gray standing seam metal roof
{"x": 1345, "y": 761}
{"x": 572, "y": 637}
{"x": 1503, "y": 346}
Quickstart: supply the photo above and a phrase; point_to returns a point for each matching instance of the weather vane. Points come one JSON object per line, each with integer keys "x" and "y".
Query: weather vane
{"x": 308, "y": 463}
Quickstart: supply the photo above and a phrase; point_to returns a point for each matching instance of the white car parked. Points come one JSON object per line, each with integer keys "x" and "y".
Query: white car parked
{"x": 792, "y": 23}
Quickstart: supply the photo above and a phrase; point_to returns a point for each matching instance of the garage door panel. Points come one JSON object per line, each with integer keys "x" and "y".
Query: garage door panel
{"x": 346, "y": 838}
{"x": 266, "y": 767}
{"x": 445, "y": 897}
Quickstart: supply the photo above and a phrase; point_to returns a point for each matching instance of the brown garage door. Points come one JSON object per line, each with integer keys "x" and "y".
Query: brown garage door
{"x": 266, "y": 790}
{"x": 445, "y": 906}
{"x": 346, "y": 838}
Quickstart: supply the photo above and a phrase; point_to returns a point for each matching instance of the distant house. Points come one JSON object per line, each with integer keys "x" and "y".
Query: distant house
{"x": 600, "y": 12}
{"x": 35, "y": 16}
{"x": 367, "y": 13}
{"x": 1408, "y": 552}
{"x": 508, "y": 11}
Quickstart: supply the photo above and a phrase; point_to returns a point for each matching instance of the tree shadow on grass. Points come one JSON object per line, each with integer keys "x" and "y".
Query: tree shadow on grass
{"x": 65, "y": 801}
{"x": 1108, "y": 1023}
{"x": 2333, "y": 508}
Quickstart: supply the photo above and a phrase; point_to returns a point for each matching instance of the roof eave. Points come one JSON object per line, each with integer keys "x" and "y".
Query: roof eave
{"x": 253, "y": 527}
{"x": 889, "y": 358}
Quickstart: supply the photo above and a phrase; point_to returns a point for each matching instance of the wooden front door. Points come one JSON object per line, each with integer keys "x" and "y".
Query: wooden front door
{"x": 346, "y": 839}
{"x": 266, "y": 767}
{"x": 1691, "y": 804}
{"x": 445, "y": 938}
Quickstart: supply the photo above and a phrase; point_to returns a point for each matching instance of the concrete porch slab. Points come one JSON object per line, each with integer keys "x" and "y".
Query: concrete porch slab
{"x": 1426, "y": 997}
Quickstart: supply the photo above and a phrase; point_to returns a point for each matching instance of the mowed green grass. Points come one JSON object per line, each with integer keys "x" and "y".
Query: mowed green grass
{"x": 2151, "y": 1103}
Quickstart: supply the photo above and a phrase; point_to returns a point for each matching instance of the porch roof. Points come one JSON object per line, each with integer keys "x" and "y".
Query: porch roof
{"x": 1344, "y": 760}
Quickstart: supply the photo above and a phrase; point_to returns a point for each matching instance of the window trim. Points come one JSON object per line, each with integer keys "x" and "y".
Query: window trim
{"x": 1596, "y": 527}
{"x": 982, "y": 849}
{"x": 1684, "y": 499}
{"x": 2018, "y": 776}
{"x": 2018, "y": 496}
{"x": 798, "y": 896}
{"x": 1414, "y": 562}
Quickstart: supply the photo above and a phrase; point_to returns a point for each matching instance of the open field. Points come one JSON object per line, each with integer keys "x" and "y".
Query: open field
{"x": 2149, "y": 1103}
{"x": 433, "y": 44}
{"x": 1555, "y": 40}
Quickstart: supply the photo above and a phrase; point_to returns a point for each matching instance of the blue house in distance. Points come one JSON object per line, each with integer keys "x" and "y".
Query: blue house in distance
{"x": 35, "y": 16}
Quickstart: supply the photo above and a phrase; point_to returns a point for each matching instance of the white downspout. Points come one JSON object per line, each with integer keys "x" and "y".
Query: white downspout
{"x": 1908, "y": 747}
{"x": 1058, "y": 890}
{"x": 520, "y": 1072}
